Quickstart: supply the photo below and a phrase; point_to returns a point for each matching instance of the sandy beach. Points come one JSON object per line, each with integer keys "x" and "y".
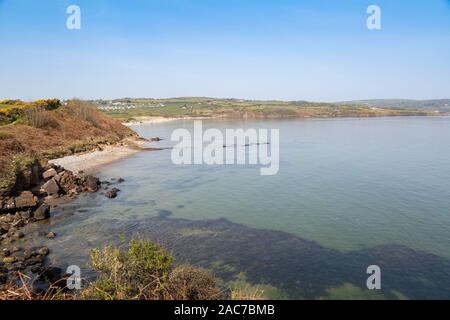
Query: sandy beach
{"x": 89, "y": 162}
{"x": 149, "y": 120}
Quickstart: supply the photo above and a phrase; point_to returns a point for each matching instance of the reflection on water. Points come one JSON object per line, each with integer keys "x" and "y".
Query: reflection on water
{"x": 350, "y": 193}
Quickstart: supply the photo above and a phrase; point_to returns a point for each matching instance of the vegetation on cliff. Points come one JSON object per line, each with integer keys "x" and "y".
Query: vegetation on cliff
{"x": 47, "y": 129}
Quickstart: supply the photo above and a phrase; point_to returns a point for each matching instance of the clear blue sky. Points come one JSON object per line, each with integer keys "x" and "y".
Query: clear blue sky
{"x": 260, "y": 49}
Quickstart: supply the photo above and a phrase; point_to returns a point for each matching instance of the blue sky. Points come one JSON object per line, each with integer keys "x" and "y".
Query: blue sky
{"x": 257, "y": 49}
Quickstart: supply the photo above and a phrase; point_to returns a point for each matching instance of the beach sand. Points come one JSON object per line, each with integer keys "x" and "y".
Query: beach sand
{"x": 144, "y": 120}
{"x": 89, "y": 162}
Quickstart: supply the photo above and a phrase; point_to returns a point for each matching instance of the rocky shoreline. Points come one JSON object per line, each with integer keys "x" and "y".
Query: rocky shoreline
{"x": 37, "y": 191}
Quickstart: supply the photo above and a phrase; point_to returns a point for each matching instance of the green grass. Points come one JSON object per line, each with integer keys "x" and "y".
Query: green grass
{"x": 207, "y": 107}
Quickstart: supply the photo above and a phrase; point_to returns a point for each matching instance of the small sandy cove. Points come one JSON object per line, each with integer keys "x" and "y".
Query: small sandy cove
{"x": 148, "y": 119}
{"x": 89, "y": 162}
{"x": 142, "y": 120}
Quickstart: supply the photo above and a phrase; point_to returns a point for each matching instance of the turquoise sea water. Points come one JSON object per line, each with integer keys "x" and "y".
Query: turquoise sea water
{"x": 349, "y": 193}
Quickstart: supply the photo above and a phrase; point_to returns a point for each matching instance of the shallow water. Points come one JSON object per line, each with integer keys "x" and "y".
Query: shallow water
{"x": 350, "y": 193}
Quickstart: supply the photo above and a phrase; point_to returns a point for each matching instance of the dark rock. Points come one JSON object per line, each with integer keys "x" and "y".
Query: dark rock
{"x": 20, "y": 265}
{"x": 42, "y": 213}
{"x": 18, "y": 221}
{"x": 50, "y": 173}
{"x": 51, "y": 187}
{"x": 35, "y": 261}
{"x": 8, "y": 218}
{"x": 6, "y": 252}
{"x": 25, "y": 214}
{"x": 19, "y": 235}
{"x": 27, "y": 254}
{"x": 74, "y": 190}
{"x": 43, "y": 251}
{"x": 156, "y": 139}
{"x": 57, "y": 178}
{"x": 23, "y": 181}
{"x": 35, "y": 269}
{"x": 51, "y": 235}
{"x": 25, "y": 200}
{"x": 3, "y": 278}
{"x": 16, "y": 249}
{"x": 121, "y": 180}
{"x": 92, "y": 183}
{"x": 52, "y": 274}
{"x": 35, "y": 178}
{"x": 10, "y": 204}
{"x": 12, "y": 231}
{"x": 112, "y": 193}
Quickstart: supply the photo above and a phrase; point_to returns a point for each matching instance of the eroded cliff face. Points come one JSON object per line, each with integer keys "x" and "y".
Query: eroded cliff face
{"x": 42, "y": 134}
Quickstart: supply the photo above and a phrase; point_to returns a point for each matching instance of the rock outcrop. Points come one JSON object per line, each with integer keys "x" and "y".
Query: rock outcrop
{"x": 24, "y": 206}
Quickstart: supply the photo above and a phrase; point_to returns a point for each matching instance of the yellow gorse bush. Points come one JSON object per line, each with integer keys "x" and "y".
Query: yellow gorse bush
{"x": 10, "y": 110}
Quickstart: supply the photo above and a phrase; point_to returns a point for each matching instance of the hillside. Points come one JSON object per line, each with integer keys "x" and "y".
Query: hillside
{"x": 436, "y": 104}
{"x": 128, "y": 109}
{"x": 45, "y": 129}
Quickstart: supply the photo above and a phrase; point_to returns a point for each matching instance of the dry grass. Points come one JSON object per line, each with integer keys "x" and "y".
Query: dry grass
{"x": 186, "y": 282}
{"x": 26, "y": 291}
{"x": 40, "y": 118}
{"x": 84, "y": 111}
{"x": 248, "y": 292}
{"x": 49, "y": 134}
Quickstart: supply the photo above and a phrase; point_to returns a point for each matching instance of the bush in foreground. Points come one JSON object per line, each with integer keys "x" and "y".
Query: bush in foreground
{"x": 145, "y": 271}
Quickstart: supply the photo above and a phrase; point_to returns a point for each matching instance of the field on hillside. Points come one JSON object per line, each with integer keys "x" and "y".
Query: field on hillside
{"x": 128, "y": 109}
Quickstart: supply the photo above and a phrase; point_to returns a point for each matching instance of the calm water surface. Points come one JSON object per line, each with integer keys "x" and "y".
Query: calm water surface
{"x": 349, "y": 193}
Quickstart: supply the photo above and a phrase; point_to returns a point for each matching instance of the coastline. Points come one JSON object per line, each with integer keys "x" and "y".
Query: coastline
{"x": 88, "y": 162}
{"x": 158, "y": 119}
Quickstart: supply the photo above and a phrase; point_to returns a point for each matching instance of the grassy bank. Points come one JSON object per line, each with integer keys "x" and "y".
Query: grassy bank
{"x": 45, "y": 129}
{"x": 128, "y": 109}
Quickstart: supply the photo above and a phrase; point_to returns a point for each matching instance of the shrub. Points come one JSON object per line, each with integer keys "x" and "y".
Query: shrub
{"x": 138, "y": 273}
{"x": 189, "y": 283}
{"x": 18, "y": 163}
{"x": 144, "y": 271}
{"x": 10, "y": 102}
{"x": 39, "y": 118}
{"x": 83, "y": 110}
{"x": 48, "y": 104}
